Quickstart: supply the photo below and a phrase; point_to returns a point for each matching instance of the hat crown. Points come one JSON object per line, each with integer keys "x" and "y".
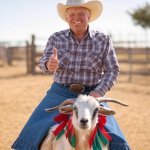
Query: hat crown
{"x": 94, "y": 6}
{"x": 76, "y": 2}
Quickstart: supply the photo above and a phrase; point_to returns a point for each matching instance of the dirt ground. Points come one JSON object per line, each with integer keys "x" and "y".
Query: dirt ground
{"x": 21, "y": 93}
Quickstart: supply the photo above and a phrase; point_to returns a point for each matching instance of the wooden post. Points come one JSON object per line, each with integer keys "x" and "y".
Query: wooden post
{"x": 147, "y": 54}
{"x": 130, "y": 64}
{"x": 33, "y": 56}
{"x": 2, "y": 55}
{"x": 28, "y": 58}
{"x": 146, "y": 44}
{"x": 9, "y": 54}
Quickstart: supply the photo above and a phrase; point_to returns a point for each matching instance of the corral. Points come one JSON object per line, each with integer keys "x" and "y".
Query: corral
{"x": 21, "y": 92}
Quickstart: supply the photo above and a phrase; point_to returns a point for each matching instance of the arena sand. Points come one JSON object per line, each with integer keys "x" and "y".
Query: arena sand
{"x": 21, "y": 93}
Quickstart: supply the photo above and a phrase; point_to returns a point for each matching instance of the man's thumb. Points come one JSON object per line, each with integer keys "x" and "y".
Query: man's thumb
{"x": 55, "y": 53}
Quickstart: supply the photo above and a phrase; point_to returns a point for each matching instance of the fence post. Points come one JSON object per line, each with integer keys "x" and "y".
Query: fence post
{"x": 2, "y": 55}
{"x": 9, "y": 55}
{"x": 130, "y": 64}
{"x": 28, "y": 58}
{"x": 33, "y": 54}
{"x": 147, "y": 53}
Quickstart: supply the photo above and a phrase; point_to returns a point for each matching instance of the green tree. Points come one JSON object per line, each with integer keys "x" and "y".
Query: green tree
{"x": 141, "y": 16}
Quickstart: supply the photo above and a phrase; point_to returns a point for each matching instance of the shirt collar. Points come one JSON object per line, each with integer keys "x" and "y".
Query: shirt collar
{"x": 70, "y": 32}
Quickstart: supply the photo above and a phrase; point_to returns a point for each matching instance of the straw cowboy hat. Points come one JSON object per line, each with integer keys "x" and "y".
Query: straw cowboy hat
{"x": 95, "y": 7}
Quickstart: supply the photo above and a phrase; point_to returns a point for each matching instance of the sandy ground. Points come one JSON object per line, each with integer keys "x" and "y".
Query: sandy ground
{"x": 21, "y": 93}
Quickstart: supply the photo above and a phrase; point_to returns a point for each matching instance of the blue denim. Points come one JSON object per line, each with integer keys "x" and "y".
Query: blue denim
{"x": 40, "y": 122}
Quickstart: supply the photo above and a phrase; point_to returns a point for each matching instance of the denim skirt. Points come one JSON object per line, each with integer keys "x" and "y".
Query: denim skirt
{"x": 41, "y": 121}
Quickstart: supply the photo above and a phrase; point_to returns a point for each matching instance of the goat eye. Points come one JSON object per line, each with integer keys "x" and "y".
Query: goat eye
{"x": 74, "y": 107}
{"x": 76, "y": 110}
{"x": 95, "y": 112}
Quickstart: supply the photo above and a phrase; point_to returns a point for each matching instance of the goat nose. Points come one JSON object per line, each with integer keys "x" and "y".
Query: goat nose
{"x": 84, "y": 121}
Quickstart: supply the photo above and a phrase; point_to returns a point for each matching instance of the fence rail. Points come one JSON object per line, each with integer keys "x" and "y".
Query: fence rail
{"x": 126, "y": 53}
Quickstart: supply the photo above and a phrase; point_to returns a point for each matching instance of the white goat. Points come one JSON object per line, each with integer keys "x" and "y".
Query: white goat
{"x": 85, "y": 111}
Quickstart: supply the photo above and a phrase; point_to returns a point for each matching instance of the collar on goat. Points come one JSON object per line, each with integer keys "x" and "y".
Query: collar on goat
{"x": 67, "y": 128}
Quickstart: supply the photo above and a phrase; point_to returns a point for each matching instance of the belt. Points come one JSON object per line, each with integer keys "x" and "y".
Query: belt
{"x": 77, "y": 87}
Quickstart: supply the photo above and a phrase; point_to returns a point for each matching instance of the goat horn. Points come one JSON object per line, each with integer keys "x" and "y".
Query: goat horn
{"x": 106, "y": 111}
{"x": 66, "y": 102}
{"x": 104, "y": 99}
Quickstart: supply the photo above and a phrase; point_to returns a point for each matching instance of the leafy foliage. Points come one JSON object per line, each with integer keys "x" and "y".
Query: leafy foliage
{"x": 141, "y": 16}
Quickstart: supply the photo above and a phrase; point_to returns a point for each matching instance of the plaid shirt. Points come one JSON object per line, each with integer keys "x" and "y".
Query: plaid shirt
{"x": 90, "y": 62}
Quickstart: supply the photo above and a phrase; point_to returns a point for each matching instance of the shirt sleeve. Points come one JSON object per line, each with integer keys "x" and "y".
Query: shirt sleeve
{"x": 46, "y": 55}
{"x": 110, "y": 68}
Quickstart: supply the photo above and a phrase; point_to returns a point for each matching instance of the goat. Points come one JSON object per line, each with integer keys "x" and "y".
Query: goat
{"x": 85, "y": 111}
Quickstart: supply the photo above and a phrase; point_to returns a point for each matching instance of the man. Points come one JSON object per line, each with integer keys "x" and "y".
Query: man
{"x": 83, "y": 61}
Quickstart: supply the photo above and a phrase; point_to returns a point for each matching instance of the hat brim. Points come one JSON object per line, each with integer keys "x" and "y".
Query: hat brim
{"x": 95, "y": 8}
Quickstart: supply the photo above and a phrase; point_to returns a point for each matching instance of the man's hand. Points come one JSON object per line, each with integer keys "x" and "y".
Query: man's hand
{"x": 52, "y": 63}
{"x": 95, "y": 94}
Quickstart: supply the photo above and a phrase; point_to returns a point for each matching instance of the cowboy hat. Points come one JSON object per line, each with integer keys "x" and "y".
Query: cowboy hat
{"x": 95, "y": 7}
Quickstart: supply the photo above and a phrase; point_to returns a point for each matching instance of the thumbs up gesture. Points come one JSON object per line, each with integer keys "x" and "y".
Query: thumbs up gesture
{"x": 52, "y": 63}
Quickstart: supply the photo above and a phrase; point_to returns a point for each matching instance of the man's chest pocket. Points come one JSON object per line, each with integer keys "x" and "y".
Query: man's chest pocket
{"x": 95, "y": 60}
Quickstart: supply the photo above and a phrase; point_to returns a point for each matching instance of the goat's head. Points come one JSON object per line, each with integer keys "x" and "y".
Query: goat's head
{"x": 85, "y": 110}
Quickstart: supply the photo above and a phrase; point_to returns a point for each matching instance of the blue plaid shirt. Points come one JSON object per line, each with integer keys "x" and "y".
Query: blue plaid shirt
{"x": 90, "y": 62}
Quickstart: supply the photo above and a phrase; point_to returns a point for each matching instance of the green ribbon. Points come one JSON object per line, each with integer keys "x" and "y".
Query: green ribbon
{"x": 60, "y": 134}
{"x": 73, "y": 141}
{"x": 98, "y": 142}
{"x": 94, "y": 145}
{"x": 102, "y": 138}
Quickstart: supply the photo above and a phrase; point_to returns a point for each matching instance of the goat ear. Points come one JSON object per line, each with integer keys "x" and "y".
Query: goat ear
{"x": 66, "y": 109}
{"x": 106, "y": 111}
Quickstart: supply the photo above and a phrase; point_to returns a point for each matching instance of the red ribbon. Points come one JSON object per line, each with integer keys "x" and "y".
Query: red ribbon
{"x": 64, "y": 118}
{"x": 69, "y": 125}
{"x": 60, "y": 118}
{"x": 92, "y": 137}
{"x": 101, "y": 123}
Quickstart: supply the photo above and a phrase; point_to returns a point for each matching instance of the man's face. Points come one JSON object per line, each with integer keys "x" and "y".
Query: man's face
{"x": 77, "y": 18}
